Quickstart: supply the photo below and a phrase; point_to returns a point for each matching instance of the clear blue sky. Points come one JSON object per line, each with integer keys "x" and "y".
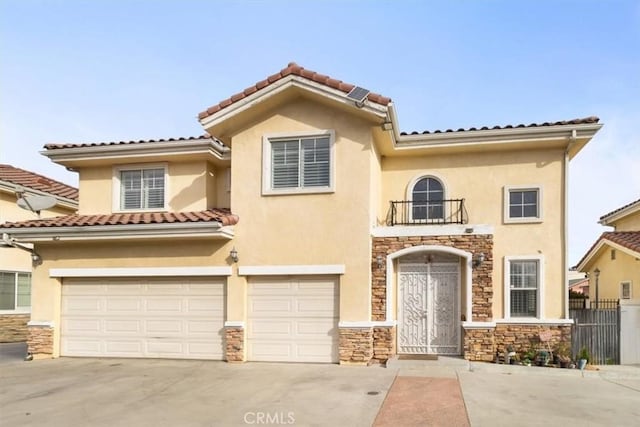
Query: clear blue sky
{"x": 88, "y": 71}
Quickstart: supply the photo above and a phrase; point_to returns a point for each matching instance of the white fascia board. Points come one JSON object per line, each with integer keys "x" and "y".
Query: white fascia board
{"x": 367, "y": 324}
{"x": 496, "y": 136}
{"x": 587, "y": 260}
{"x": 41, "y": 323}
{"x": 607, "y": 220}
{"x": 287, "y": 270}
{"x": 281, "y": 85}
{"x": 133, "y": 150}
{"x": 10, "y": 187}
{"x": 119, "y": 232}
{"x": 533, "y": 321}
{"x": 140, "y": 272}
{"x": 234, "y": 324}
{"x": 590, "y": 255}
{"x": 432, "y": 230}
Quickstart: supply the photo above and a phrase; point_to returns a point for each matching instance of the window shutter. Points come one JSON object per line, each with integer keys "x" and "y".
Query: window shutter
{"x": 316, "y": 168}
{"x": 285, "y": 159}
{"x": 153, "y": 184}
{"x": 130, "y": 190}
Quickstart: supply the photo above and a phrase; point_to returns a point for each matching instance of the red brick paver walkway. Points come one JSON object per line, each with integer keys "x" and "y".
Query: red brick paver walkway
{"x": 419, "y": 401}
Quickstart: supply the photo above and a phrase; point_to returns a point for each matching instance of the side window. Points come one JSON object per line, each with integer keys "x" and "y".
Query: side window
{"x": 522, "y": 204}
{"x": 625, "y": 290}
{"x": 524, "y": 286}
{"x": 427, "y": 198}
{"x": 140, "y": 188}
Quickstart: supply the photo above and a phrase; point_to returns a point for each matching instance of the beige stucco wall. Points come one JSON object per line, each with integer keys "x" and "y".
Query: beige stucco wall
{"x": 612, "y": 272}
{"x": 628, "y": 223}
{"x": 331, "y": 228}
{"x": 480, "y": 179}
{"x": 192, "y": 186}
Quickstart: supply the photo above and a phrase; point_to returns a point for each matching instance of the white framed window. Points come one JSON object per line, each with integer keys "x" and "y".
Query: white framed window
{"x": 522, "y": 203}
{"x": 625, "y": 290}
{"x": 15, "y": 291}
{"x": 298, "y": 163}
{"x": 140, "y": 188}
{"x": 524, "y": 285}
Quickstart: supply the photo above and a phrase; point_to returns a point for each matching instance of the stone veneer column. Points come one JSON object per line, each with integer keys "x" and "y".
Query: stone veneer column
{"x": 384, "y": 343}
{"x": 13, "y": 327}
{"x": 356, "y": 346}
{"x": 479, "y": 344}
{"x": 234, "y": 344}
{"x": 40, "y": 341}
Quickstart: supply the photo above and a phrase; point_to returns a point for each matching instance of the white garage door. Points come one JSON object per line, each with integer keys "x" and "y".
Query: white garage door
{"x": 293, "y": 319}
{"x": 179, "y": 318}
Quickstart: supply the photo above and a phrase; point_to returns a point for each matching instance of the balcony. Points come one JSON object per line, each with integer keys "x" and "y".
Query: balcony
{"x": 436, "y": 212}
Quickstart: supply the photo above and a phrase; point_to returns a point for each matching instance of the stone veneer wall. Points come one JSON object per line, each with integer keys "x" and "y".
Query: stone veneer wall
{"x": 479, "y": 344}
{"x": 40, "y": 341}
{"x": 356, "y": 345}
{"x": 524, "y": 337}
{"x": 13, "y": 327}
{"x": 384, "y": 343}
{"x": 234, "y": 344}
{"x": 482, "y": 288}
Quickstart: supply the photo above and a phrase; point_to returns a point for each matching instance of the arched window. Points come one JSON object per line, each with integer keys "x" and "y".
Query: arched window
{"x": 428, "y": 200}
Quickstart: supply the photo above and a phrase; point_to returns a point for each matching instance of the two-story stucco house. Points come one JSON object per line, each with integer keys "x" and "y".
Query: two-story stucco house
{"x": 16, "y": 262}
{"x": 615, "y": 256}
{"x": 308, "y": 230}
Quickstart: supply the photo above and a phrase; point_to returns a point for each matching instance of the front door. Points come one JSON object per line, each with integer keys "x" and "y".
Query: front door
{"x": 428, "y": 308}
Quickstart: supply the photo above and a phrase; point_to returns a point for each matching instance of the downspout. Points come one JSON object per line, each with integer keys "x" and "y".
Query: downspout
{"x": 565, "y": 240}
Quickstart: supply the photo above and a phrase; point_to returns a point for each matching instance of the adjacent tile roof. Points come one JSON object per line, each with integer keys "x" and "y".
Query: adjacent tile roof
{"x": 291, "y": 69}
{"x": 627, "y": 239}
{"x": 36, "y": 181}
{"x": 145, "y": 141}
{"x": 586, "y": 120}
{"x": 223, "y": 216}
{"x": 615, "y": 211}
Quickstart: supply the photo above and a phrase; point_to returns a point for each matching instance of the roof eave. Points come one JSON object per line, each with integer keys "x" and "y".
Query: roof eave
{"x": 497, "y": 136}
{"x": 586, "y": 261}
{"x": 275, "y": 88}
{"x": 65, "y": 202}
{"x": 132, "y": 150}
{"x": 205, "y": 229}
{"x": 616, "y": 216}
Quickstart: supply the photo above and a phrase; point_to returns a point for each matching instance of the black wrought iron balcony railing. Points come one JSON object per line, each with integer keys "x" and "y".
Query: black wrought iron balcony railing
{"x": 411, "y": 212}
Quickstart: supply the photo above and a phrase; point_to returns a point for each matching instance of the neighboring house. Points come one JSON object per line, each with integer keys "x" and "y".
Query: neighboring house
{"x": 616, "y": 256}
{"x": 15, "y": 264}
{"x": 308, "y": 230}
{"x": 580, "y": 286}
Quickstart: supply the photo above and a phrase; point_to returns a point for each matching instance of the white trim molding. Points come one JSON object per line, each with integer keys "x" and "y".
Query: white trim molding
{"x": 432, "y": 230}
{"x": 507, "y": 288}
{"x": 586, "y": 261}
{"x": 533, "y": 321}
{"x": 366, "y": 324}
{"x": 506, "y": 204}
{"x": 41, "y": 323}
{"x": 478, "y": 325}
{"x": 289, "y": 270}
{"x": 234, "y": 324}
{"x": 140, "y": 272}
{"x": 391, "y": 272}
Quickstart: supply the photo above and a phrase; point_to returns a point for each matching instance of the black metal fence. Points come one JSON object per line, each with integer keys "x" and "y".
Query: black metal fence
{"x": 597, "y": 329}
{"x": 411, "y": 212}
{"x": 605, "y": 304}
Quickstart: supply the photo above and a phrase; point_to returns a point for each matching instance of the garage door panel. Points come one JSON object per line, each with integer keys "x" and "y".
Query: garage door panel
{"x": 293, "y": 319}
{"x": 172, "y": 318}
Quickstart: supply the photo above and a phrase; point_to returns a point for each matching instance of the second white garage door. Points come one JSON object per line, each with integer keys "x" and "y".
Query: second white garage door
{"x": 178, "y": 318}
{"x": 293, "y": 319}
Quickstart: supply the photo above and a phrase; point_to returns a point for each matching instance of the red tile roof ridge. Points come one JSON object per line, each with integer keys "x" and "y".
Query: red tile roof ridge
{"x": 36, "y": 181}
{"x": 291, "y": 69}
{"x": 55, "y": 146}
{"x": 615, "y": 211}
{"x": 579, "y": 121}
{"x": 221, "y": 215}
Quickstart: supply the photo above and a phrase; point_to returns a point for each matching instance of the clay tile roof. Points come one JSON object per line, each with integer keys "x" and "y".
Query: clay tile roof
{"x": 291, "y": 69}
{"x": 37, "y": 182}
{"x": 627, "y": 239}
{"x": 223, "y": 216}
{"x": 620, "y": 209}
{"x": 586, "y": 120}
{"x": 142, "y": 141}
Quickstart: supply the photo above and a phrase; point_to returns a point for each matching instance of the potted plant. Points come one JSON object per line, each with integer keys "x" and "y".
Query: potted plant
{"x": 583, "y": 357}
{"x": 562, "y": 355}
{"x": 528, "y": 357}
{"x": 511, "y": 356}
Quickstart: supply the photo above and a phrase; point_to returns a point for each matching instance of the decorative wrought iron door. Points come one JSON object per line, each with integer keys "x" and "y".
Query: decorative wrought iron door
{"x": 428, "y": 308}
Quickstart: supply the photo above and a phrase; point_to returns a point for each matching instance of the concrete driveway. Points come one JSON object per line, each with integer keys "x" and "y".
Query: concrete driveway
{"x": 112, "y": 392}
